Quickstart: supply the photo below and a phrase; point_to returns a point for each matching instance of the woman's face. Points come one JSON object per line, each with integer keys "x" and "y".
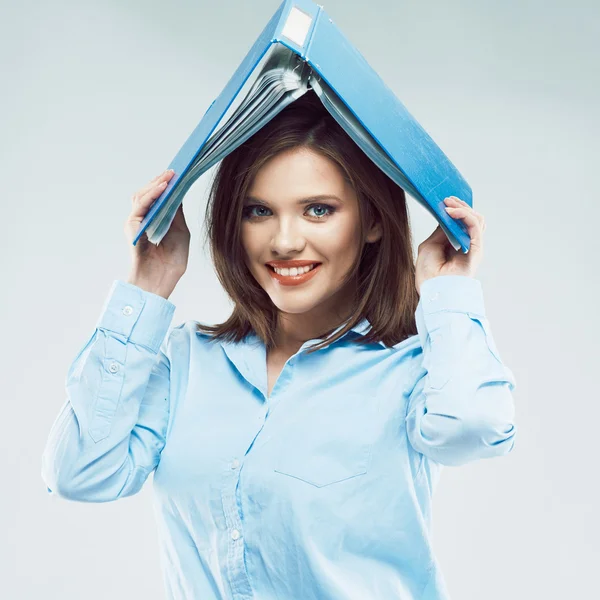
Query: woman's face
{"x": 283, "y": 221}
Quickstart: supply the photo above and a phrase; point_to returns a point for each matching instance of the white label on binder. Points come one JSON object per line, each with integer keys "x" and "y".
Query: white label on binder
{"x": 296, "y": 27}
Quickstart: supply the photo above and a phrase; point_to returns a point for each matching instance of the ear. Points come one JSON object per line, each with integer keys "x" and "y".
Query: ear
{"x": 374, "y": 233}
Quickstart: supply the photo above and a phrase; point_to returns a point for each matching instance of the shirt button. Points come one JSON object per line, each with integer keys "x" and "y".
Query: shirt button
{"x": 235, "y": 534}
{"x": 235, "y": 463}
{"x": 113, "y": 367}
{"x": 127, "y": 311}
{"x": 434, "y": 297}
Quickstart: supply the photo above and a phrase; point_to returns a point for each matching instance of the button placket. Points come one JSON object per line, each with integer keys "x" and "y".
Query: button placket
{"x": 110, "y": 390}
{"x": 235, "y": 555}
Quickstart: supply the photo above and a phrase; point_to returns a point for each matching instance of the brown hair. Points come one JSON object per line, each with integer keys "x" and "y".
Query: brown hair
{"x": 385, "y": 270}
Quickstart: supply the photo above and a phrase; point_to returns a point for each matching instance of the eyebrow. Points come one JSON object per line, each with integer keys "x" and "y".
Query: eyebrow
{"x": 301, "y": 202}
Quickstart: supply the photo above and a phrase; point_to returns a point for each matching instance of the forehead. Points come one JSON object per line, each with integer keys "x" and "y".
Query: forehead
{"x": 298, "y": 171}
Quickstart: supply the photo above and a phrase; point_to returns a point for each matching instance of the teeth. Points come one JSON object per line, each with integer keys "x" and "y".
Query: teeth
{"x": 295, "y": 270}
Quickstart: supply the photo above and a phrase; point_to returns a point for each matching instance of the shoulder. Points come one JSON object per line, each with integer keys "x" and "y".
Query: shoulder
{"x": 407, "y": 355}
{"x": 186, "y": 335}
{"x": 409, "y": 346}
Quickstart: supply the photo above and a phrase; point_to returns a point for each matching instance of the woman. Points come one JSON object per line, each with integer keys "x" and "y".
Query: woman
{"x": 296, "y": 446}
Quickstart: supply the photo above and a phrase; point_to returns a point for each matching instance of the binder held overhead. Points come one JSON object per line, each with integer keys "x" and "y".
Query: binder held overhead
{"x": 301, "y": 49}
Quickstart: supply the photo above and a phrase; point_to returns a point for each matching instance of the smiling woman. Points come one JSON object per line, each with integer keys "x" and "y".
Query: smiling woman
{"x": 301, "y": 190}
{"x": 284, "y": 468}
{"x": 289, "y": 232}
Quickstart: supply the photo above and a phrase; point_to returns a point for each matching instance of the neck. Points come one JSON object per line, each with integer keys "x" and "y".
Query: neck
{"x": 293, "y": 330}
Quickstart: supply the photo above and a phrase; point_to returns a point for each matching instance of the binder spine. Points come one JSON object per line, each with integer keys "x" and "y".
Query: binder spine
{"x": 319, "y": 15}
{"x": 297, "y": 25}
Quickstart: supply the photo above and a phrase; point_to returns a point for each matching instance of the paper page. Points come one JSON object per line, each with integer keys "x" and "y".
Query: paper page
{"x": 282, "y": 80}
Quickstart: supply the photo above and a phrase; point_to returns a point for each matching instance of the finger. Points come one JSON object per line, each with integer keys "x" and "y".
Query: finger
{"x": 461, "y": 203}
{"x": 141, "y": 203}
{"x": 437, "y": 237}
{"x": 164, "y": 176}
{"x": 179, "y": 217}
{"x": 469, "y": 207}
{"x": 473, "y": 224}
{"x": 179, "y": 221}
{"x": 480, "y": 217}
{"x": 458, "y": 201}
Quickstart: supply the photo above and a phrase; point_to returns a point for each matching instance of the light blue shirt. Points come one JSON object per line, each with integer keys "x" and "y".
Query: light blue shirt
{"x": 322, "y": 490}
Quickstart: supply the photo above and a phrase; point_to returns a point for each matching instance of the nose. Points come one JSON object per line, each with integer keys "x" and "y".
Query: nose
{"x": 287, "y": 238}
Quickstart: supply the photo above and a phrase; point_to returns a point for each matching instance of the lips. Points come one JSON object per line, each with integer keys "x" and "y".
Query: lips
{"x": 293, "y": 279}
{"x": 290, "y": 264}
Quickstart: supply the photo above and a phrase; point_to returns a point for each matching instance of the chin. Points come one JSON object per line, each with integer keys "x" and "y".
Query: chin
{"x": 296, "y": 306}
{"x": 296, "y": 309}
{"x": 297, "y": 300}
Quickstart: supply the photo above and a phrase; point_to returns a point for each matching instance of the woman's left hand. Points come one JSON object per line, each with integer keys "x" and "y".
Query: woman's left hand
{"x": 437, "y": 256}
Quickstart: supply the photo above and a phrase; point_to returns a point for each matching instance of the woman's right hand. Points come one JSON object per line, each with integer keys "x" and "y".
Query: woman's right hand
{"x": 157, "y": 269}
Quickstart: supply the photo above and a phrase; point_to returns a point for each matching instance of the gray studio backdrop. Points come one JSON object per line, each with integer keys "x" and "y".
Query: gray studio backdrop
{"x": 97, "y": 97}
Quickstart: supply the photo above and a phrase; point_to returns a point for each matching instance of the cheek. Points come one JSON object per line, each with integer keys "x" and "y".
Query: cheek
{"x": 248, "y": 252}
{"x": 253, "y": 245}
{"x": 340, "y": 244}
{"x": 250, "y": 242}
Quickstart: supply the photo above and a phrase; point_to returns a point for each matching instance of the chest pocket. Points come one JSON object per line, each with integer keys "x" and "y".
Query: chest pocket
{"x": 330, "y": 440}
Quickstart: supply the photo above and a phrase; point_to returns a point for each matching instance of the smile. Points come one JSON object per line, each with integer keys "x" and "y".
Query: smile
{"x": 293, "y": 279}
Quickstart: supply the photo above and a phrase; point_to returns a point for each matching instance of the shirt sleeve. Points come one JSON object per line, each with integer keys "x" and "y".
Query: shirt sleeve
{"x": 461, "y": 407}
{"x": 110, "y": 431}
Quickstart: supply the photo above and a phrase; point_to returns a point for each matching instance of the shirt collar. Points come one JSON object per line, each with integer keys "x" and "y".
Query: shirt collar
{"x": 360, "y": 329}
{"x": 250, "y": 364}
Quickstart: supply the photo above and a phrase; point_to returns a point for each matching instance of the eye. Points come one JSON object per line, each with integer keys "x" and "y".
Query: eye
{"x": 248, "y": 211}
{"x": 330, "y": 210}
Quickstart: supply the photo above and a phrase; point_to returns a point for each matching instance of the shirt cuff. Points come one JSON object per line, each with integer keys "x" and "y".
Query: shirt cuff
{"x": 139, "y": 316}
{"x": 456, "y": 293}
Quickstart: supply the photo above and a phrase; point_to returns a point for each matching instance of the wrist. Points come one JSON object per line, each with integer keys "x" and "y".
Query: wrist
{"x": 162, "y": 288}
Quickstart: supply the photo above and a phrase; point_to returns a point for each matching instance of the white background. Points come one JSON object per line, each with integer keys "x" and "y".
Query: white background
{"x": 97, "y": 98}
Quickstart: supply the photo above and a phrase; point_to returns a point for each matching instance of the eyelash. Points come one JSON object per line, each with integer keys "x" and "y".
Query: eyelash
{"x": 248, "y": 209}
